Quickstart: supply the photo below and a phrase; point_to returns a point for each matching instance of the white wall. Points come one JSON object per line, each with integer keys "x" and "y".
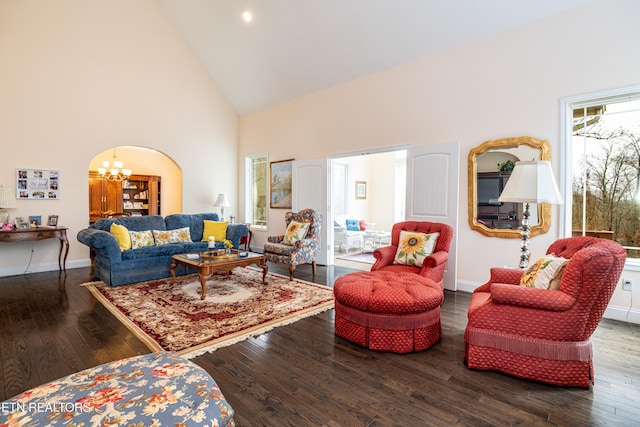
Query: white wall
{"x": 78, "y": 77}
{"x": 507, "y": 85}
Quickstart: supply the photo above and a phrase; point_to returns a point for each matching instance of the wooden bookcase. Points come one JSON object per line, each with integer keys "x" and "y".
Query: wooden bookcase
{"x": 138, "y": 195}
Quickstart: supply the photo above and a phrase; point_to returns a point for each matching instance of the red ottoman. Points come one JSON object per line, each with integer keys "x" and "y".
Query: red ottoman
{"x": 387, "y": 311}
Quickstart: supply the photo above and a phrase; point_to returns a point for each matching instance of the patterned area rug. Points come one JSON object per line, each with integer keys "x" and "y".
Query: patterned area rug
{"x": 172, "y": 317}
{"x": 366, "y": 257}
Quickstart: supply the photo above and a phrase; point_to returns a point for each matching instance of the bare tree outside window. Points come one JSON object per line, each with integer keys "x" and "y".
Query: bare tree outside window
{"x": 606, "y": 173}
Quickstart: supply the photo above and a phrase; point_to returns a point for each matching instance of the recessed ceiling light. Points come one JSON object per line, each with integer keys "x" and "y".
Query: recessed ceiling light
{"x": 247, "y": 16}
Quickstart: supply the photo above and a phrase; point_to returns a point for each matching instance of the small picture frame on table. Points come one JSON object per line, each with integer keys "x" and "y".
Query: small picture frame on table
{"x": 21, "y": 224}
{"x": 52, "y": 221}
{"x": 35, "y": 220}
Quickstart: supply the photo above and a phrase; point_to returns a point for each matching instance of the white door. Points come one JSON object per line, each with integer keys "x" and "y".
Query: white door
{"x": 310, "y": 189}
{"x": 432, "y": 193}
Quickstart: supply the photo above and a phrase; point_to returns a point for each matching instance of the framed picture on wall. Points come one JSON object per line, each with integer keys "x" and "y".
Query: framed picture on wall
{"x": 41, "y": 184}
{"x": 361, "y": 189}
{"x": 280, "y": 176}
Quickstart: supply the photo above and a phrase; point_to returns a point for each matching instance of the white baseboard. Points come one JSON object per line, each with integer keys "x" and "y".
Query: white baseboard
{"x": 39, "y": 268}
{"x": 623, "y": 314}
{"x": 466, "y": 286}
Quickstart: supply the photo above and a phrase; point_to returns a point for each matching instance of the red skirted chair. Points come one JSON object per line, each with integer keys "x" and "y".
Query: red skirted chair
{"x": 544, "y": 334}
{"x": 433, "y": 265}
{"x": 386, "y": 311}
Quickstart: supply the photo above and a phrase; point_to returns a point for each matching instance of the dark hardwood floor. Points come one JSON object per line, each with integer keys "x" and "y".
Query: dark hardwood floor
{"x": 303, "y": 375}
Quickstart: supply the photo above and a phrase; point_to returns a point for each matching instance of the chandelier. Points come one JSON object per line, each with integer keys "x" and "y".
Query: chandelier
{"x": 114, "y": 171}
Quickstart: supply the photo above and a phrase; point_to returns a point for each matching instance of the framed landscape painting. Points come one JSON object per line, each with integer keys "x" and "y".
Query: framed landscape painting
{"x": 281, "y": 184}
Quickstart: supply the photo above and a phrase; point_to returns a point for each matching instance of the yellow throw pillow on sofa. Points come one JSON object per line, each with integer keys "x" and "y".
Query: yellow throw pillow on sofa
{"x": 217, "y": 229}
{"x": 122, "y": 236}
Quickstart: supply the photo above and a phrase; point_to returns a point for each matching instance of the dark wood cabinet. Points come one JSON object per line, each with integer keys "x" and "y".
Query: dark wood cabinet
{"x": 138, "y": 195}
{"x": 141, "y": 195}
{"x": 492, "y": 213}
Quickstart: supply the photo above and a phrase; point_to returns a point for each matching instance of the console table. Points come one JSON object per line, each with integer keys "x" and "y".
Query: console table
{"x": 41, "y": 233}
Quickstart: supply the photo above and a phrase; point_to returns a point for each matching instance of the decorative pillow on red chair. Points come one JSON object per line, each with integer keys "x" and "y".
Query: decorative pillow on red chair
{"x": 545, "y": 273}
{"x": 414, "y": 247}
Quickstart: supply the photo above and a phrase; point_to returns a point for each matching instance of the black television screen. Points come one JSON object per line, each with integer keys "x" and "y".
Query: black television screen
{"x": 489, "y": 190}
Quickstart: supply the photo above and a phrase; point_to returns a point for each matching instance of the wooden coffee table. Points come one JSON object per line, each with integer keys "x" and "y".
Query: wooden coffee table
{"x": 206, "y": 266}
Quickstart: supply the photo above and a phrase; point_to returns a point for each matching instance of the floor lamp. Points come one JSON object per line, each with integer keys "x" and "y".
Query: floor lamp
{"x": 530, "y": 182}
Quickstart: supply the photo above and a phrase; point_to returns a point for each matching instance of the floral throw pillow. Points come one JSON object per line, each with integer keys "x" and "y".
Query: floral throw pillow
{"x": 179, "y": 235}
{"x": 414, "y": 247}
{"x": 141, "y": 239}
{"x": 295, "y": 231}
{"x": 545, "y": 273}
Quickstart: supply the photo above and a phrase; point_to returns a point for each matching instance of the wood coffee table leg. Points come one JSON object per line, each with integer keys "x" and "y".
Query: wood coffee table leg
{"x": 203, "y": 283}
{"x": 265, "y": 270}
{"x": 172, "y": 269}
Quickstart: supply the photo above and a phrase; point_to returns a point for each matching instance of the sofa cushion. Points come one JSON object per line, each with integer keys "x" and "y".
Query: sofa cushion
{"x": 353, "y": 225}
{"x": 217, "y": 229}
{"x": 295, "y": 231}
{"x": 141, "y": 239}
{"x": 545, "y": 273}
{"x": 179, "y": 235}
{"x": 195, "y": 222}
{"x": 154, "y": 251}
{"x": 414, "y": 247}
{"x": 122, "y": 236}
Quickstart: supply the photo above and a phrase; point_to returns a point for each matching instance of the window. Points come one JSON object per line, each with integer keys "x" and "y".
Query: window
{"x": 256, "y": 191}
{"x": 602, "y": 168}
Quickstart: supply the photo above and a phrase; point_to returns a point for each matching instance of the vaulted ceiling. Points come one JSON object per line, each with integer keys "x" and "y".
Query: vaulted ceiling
{"x": 293, "y": 48}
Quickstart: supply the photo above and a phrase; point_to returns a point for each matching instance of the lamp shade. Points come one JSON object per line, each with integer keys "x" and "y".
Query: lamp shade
{"x": 222, "y": 201}
{"x": 532, "y": 182}
{"x": 7, "y": 198}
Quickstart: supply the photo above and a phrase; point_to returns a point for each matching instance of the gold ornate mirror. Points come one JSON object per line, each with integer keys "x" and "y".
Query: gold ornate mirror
{"x": 490, "y": 166}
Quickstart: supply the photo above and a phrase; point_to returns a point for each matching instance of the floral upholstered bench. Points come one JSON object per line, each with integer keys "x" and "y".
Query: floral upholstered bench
{"x": 159, "y": 389}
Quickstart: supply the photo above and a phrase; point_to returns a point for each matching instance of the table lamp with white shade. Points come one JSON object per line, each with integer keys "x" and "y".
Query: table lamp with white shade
{"x": 222, "y": 202}
{"x": 7, "y": 201}
{"x": 530, "y": 182}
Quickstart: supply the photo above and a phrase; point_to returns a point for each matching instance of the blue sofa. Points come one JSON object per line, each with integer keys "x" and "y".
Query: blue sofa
{"x": 116, "y": 267}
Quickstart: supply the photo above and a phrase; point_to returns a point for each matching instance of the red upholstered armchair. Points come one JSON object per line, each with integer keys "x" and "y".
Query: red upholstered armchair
{"x": 539, "y": 334}
{"x": 433, "y": 266}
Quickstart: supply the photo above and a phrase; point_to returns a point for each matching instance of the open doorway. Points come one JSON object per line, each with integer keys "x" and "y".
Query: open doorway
{"x": 367, "y": 197}
{"x": 112, "y": 196}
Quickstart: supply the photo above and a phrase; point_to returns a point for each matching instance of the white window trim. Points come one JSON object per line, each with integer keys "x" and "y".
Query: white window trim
{"x": 567, "y": 105}
{"x": 247, "y": 189}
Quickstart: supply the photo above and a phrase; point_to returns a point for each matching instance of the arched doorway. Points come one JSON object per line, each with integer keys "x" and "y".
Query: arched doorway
{"x": 108, "y": 197}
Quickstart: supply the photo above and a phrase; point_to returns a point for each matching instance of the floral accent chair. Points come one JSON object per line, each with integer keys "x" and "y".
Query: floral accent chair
{"x": 418, "y": 247}
{"x": 299, "y": 244}
{"x": 542, "y": 333}
{"x": 154, "y": 389}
